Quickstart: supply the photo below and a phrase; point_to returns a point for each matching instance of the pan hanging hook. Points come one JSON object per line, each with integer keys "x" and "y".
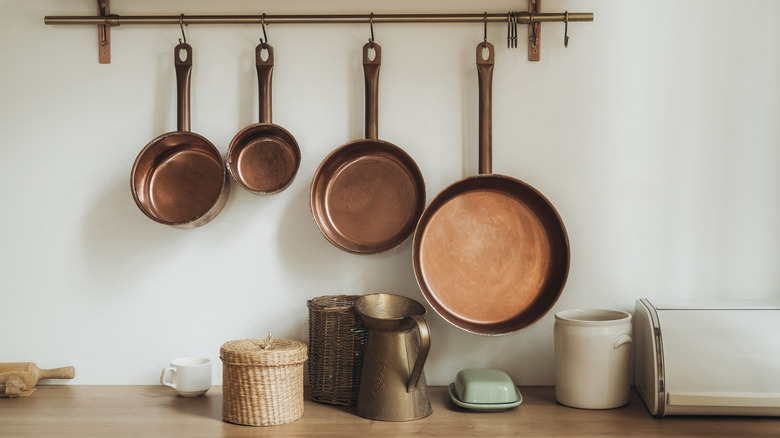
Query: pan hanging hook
{"x": 371, "y": 23}
{"x": 181, "y": 25}
{"x": 484, "y": 39}
{"x": 511, "y": 29}
{"x": 264, "y": 39}
{"x": 533, "y": 38}
{"x": 566, "y": 29}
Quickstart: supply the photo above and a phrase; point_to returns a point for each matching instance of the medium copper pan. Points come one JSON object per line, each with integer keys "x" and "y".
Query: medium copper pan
{"x": 264, "y": 158}
{"x": 179, "y": 179}
{"x": 367, "y": 195}
{"x": 490, "y": 252}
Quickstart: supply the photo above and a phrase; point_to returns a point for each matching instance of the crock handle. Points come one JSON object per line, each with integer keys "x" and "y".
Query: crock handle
{"x": 621, "y": 340}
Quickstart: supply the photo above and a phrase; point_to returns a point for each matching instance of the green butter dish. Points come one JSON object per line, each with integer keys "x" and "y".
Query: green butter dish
{"x": 484, "y": 389}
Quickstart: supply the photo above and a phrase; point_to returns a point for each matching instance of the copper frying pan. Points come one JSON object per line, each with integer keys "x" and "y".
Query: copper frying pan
{"x": 179, "y": 179}
{"x": 264, "y": 158}
{"x": 367, "y": 195}
{"x": 490, "y": 252}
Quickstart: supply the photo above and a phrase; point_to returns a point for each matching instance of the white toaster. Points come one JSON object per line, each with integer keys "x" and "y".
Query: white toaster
{"x": 708, "y": 357}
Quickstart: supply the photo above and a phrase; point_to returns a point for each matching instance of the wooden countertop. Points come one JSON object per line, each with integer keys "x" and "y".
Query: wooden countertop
{"x": 155, "y": 411}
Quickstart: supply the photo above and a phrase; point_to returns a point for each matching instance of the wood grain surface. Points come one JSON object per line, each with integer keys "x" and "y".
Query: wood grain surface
{"x": 141, "y": 411}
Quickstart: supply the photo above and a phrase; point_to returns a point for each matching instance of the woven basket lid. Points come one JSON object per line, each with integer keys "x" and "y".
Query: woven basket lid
{"x": 263, "y": 352}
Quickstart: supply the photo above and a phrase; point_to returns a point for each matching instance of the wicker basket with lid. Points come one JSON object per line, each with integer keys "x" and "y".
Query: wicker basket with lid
{"x": 262, "y": 381}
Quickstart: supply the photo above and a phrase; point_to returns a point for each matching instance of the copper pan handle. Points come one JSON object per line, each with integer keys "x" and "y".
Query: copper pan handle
{"x": 265, "y": 70}
{"x": 183, "y": 74}
{"x": 485, "y": 74}
{"x": 422, "y": 352}
{"x": 371, "y": 73}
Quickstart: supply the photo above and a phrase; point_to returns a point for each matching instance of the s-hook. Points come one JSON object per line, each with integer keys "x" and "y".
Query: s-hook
{"x": 484, "y": 40}
{"x": 264, "y": 39}
{"x": 181, "y": 25}
{"x": 566, "y": 29}
{"x": 371, "y": 23}
{"x": 511, "y": 30}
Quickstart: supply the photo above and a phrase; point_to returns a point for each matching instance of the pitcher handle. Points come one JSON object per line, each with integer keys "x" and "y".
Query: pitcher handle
{"x": 422, "y": 353}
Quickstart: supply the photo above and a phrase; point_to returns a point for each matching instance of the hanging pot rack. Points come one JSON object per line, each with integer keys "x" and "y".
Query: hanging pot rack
{"x": 532, "y": 18}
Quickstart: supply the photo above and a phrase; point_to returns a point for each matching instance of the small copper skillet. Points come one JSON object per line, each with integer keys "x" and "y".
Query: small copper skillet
{"x": 179, "y": 179}
{"x": 367, "y": 195}
{"x": 264, "y": 158}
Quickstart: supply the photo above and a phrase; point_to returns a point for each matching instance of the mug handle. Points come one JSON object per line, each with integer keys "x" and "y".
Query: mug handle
{"x": 165, "y": 374}
{"x": 621, "y": 340}
{"x": 422, "y": 353}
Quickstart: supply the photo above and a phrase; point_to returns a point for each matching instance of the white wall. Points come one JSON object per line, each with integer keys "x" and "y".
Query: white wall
{"x": 656, "y": 135}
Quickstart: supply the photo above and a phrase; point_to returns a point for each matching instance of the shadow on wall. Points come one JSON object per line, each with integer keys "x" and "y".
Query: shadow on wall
{"x": 120, "y": 241}
{"x": 310, "y": 258}
{"x": 163, "y": 113}
{"x": 469, "y": 117}
{"x": 320, "y": 268}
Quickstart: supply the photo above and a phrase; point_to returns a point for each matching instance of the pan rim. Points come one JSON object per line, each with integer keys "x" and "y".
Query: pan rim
{"x": 219, "y": 201}
{"x": 454, "y": 190}
{"x": 318, "y": 203}
{"x": 290, "y": 143}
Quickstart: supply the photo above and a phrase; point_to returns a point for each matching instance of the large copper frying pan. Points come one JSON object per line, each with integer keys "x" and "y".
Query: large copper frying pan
{"x": 264, "y": 158}
{"x": 490, "y": 252}
{"x": 179, "y": 179}
{"x": 367, "y": 195}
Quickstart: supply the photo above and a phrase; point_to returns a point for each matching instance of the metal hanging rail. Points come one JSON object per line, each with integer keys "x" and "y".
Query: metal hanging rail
{"x": 105, "y": 20}
{"x": 119, "y": 20}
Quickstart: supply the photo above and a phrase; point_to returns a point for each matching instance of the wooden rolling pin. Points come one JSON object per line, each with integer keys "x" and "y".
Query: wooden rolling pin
{"x": 22, "y": 376}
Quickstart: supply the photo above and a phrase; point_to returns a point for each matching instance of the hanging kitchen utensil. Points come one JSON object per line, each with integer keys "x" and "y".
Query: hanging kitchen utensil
{"x": 264, "y": 158}
{"x": 179, "y": 179}
{"x": 490, "y": 253}
{"x": 367, "y": 195}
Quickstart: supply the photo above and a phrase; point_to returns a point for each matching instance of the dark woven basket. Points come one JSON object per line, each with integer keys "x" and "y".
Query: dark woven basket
{"x": 337, "y": 342}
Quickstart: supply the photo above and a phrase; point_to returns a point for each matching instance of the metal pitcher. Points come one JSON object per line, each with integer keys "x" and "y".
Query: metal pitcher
{"x": 392, "y": 387}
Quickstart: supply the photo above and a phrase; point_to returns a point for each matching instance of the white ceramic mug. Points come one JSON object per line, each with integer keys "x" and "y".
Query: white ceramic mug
{"x": 592, "y": 358}
{"x": 190, "y": 376}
